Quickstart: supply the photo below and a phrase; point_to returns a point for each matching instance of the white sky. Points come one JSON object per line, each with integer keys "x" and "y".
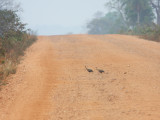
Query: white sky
{"x": 51, "y": 17}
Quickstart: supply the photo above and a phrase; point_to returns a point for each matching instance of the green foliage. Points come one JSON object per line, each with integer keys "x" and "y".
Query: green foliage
{"x": 138, "y": 12}
{"x": 134, "y": 12}
{"x": 151, "y": 32}
{"x": 134, "y": 17}
{"x": 14, "y": 39}
{"x": 10, "y": 22}
{"x": 109, "y": 24}
{"x": 129, "y": 14}
{"x": 13, "y": 33}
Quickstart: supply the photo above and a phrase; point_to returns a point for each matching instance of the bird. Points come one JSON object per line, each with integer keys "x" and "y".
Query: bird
{"x": 89, "y": 70}
{"x": 99, "y": 70}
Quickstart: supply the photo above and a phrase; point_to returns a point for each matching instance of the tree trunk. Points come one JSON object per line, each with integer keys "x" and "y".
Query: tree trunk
{"x": 138, "y": 15}
{"x": 156, "y": 6}
{"x": 138, "y": 18}
{"x": 158, "y": 17}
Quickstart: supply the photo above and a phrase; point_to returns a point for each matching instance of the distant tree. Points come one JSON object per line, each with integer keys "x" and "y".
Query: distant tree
{"x": 133, "y": 12}
{"x": 156, "y": 5}
{"x": 109, "y": 24}
{"x": 138, "y": 12}
{"x": 118, "y": 6}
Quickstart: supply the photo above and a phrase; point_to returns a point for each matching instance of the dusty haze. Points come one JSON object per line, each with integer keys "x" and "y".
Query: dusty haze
{"x": 50, "y": 17}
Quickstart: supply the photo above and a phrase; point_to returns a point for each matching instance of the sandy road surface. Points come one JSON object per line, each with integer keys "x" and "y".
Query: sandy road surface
{"x": 52, "y": 84}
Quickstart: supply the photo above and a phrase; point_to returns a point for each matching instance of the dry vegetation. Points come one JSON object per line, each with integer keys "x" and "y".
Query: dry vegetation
{"x": 14, "y": 39}
{"x": 10, "y": 59}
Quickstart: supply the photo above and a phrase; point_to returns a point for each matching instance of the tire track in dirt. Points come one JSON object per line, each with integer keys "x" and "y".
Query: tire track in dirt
{"x": 32, "y": 101}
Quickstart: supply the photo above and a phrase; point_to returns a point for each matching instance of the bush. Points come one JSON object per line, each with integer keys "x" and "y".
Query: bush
{"x": 14, "y": 39}
{"x": 150, "y": 32}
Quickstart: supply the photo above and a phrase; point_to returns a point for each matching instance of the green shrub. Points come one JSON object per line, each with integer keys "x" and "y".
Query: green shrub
{"x": 150, "y": 32}
{"x": 14, "y": 40}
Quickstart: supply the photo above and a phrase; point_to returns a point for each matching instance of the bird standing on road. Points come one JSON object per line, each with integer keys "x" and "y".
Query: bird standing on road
{"x": 99, "y": 70}
{"x": 89, "y": 70}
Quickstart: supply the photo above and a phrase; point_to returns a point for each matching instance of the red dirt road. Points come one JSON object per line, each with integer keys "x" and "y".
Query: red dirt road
{"x": 52, "y": 83}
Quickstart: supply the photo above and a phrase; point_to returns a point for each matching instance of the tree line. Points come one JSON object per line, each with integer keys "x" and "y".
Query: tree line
{"x": 140, "y": 17}
{"x": 14, "y": 37}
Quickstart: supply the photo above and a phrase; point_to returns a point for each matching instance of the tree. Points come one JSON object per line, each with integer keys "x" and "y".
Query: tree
{"x": 133, "y": 12}
{"x": 118, "y": 6}
{"x": 4, "y": 4}
{"x": 12, "y": 31}
{"x": 9, "y": 5}
{"x": 109, "y": 24}
{"x": 156, "y": 5}
{"x": 138, "y": 12}
{"x": 9, "y": 22}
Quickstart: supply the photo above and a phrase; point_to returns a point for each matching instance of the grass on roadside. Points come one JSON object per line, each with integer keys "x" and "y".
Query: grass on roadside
{"x": 10, "y": 59}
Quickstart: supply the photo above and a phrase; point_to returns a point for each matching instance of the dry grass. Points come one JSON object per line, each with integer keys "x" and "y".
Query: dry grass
{"x": 10, "y": 54}
{"x": 7, "y": 68}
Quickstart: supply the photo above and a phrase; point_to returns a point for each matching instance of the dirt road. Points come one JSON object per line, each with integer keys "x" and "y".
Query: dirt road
{"x": 52, "y": 83}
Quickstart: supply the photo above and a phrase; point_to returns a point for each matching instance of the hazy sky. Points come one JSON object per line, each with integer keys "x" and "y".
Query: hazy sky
{"x": 51, "y": 17}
